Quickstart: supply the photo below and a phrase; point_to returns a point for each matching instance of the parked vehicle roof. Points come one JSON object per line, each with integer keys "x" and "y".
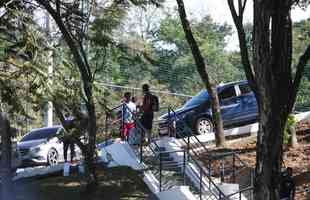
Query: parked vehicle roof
{"x": 40, "y": 133}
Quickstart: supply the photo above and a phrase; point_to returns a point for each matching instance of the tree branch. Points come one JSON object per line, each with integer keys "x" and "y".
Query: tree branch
{"x": 243, "y": 6}
{"x": 198, "y": 58}
{"x": 233, "y": 9}
{"x": 58, "y": 7}
{"x": 5, "y": 2}
{"x": 85, "y": 60}
{"x": 299, "y": 72}
{"x": 242, "y": 42}
{"x": 240, "y": 6}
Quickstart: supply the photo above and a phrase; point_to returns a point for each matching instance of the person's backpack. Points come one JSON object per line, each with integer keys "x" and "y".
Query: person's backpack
{"x": 155, "y": 103}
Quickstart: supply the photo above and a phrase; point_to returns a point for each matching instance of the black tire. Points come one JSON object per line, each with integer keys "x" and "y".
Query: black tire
{"x": 52, "y": 157}
{"x": 203, "y": 126}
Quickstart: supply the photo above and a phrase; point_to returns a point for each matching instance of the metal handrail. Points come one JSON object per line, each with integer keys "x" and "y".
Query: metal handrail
{"x": 153, "y": 147}
{"x": 187, "y": 140}
{"x": 193, "y": 136}
{"x": 114, "y": 108}
{"x": 123, "y": 106}
{"x": 200, "y": 144}
{"x": 170, "y": 166}
{"x": 172, "y": 151}
{"x": 250, "y": 188}
{"x": 210, "y": 181}
{"x": 201, "y": 171}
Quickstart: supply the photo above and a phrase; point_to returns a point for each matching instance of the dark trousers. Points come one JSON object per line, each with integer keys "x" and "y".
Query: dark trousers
{"x": 147, "y": 123}
{"x": 68, "y": 143}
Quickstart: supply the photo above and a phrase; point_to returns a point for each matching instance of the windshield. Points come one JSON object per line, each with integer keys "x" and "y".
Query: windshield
{"x": 200, "y": 98}
{"x": 40, "y": 134}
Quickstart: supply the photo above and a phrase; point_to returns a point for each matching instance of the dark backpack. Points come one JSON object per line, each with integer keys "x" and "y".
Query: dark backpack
{"x": 155, "y": 103}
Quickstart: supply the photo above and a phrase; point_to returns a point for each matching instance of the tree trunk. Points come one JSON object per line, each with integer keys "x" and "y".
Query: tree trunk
{"x": 271, "y": 79}
{"x": 272, "y": 64}
{"x": 90, "y": 156}
{"x": 269, "y": 153}
{"x": 201, "y": 68}
{"x": 5, "y": 169}
{"x": 217, "y": 118}
{"x": 77, "y": 49}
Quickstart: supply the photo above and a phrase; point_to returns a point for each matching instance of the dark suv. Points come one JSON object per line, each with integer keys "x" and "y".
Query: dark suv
{"x": 238, "y": 107}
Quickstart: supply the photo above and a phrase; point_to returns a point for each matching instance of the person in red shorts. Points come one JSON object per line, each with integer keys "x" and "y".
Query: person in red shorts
{"x": 129, "y": 110}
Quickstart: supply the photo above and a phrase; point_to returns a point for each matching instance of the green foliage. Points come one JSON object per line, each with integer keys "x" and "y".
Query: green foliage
{"x": 163, "y": 58}
{"x": 21, "y": 65}
{"x": 289, "y": 123}
{"x": 301, "y": 38}
{"x": 106, "y": 19}
{"x": 178, "y": 58}
{"x": 303, "y": 98}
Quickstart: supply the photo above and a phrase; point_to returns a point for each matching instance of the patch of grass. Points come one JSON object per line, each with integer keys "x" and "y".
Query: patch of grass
{"x": 113, "y": 183}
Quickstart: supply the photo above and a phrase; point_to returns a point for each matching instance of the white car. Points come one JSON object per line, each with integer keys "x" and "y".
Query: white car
{"x": 42, "y": 146}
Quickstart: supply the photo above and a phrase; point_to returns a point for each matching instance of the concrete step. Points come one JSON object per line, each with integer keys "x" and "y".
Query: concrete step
{"x": 165, "y": 158}
{"x": 178, "y": 193}
{"x": 160, "y": 149}
{"x": 169, "y": 178}
{"x": 174, "y": 168}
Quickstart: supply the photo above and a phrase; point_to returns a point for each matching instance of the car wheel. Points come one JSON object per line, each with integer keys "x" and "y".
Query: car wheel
{"x": 204, "y": 126}
{"x": 52, "y": 157}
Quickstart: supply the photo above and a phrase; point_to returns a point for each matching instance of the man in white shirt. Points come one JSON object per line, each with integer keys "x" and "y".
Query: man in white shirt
{"x": 128, "y": 111}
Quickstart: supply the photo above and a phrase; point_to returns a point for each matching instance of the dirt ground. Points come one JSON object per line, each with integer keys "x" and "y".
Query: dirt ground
{"x": 298, "y": 158}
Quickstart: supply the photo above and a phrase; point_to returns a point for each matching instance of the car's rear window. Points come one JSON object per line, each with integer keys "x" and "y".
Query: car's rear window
{"x": 200, "y": 98}
{"x": 40, "y": 134}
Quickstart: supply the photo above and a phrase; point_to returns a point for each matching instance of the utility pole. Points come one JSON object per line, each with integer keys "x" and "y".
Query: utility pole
{"x": 48, "y": 116}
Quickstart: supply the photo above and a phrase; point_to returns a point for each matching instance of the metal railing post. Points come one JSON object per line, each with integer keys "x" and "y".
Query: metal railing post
{"x": 123, "y": 119}
{"x": 234, "y": 168}
{"x": 222, "y": 172}
{"x": 210, "y": 172}
{"x": 141, "y": 148}
{"x": 200, "y": 183}
{"x": 160, "y": 171}
{"x": 106, "y": 127}
{"x": 169, "y": 122}
{"x": 188, "y": 147}
{"x": 184, "y": 167}
{"x": 252, "y": 183}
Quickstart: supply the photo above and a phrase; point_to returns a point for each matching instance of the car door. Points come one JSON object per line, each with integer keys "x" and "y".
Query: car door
{"x": 230, "y": 104}
{"x": 248, "y": 103}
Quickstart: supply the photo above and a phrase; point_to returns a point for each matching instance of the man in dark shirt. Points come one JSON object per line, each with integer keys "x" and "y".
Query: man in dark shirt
{"x": 147, "y": 111}
{"x": 67, "y": 139}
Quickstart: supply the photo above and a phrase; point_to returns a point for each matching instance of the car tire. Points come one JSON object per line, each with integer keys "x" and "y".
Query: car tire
{"x": 52, "y": 157}
{"x": 203, "y": 126}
